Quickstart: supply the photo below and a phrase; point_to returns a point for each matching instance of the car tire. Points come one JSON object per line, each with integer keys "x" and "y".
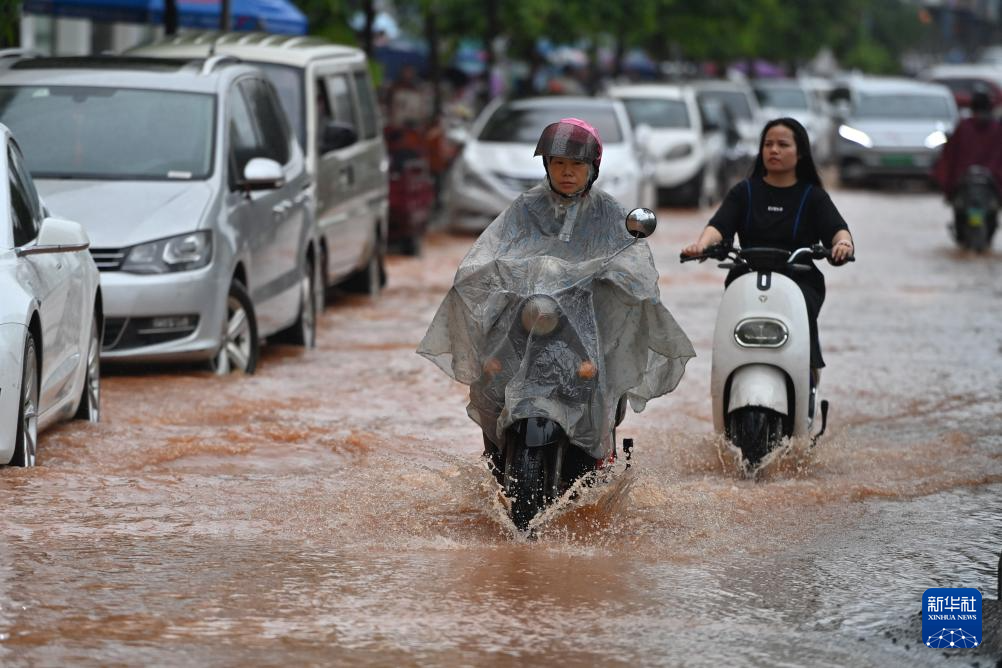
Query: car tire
{"x": 26, "y": 439}
{"x": 90, "y": 398}
{"x": 411, "y": 246}
{"x": 239, "y": 347}
{"x": 370, "y": 279}
{"x": 304, "y": 331}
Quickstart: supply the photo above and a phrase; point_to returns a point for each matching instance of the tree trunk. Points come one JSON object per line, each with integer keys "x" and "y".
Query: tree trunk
{"x": 369, "y": 7}
{"x": 493, "y": 30}
{"x": 170, "y": 17}
{"x": 434, "y": 69}
{"x": 225, "y": 13}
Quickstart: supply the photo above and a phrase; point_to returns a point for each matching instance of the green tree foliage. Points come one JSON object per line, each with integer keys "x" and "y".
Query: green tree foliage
{"x": 869, "y": 34}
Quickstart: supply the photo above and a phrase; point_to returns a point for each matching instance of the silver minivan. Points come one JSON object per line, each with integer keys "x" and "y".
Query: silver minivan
{"x": 327, "y": 93}
{"x": 193, "y": 191}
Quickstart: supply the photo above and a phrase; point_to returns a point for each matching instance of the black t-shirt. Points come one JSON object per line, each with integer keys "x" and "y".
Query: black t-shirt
{"x": 795, "y": 217}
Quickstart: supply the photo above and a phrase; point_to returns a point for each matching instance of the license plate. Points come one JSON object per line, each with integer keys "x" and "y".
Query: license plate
{"x": 897, "y": 160}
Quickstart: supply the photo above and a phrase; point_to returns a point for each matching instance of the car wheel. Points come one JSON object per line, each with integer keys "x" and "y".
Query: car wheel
{"x": 26, "y": 440}
{"x": 304, "y": 331}
{"x": 240, "y": 346}
{"x": 370, "y": 280}
{"x": 90, "y": 399}
{"x": 411, "y": 246}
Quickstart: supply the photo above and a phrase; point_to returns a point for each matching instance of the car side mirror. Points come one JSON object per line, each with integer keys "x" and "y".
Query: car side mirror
{"x": 337, "y": 135}
{"x": 458, "y": 135}
{"x": 262, "y": 174}
{"x": 57, "y": 236}
{"x": 641, "y": 223}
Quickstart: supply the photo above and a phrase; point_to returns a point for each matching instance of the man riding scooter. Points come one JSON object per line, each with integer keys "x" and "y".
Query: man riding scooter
{"x": 974, "y": 148}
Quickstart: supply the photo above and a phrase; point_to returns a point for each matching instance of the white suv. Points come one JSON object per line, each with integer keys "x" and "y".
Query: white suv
{"x": 327, "y": 93}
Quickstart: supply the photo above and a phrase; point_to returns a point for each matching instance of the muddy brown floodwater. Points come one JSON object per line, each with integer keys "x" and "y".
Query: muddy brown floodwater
{"x": 332, "y": 509}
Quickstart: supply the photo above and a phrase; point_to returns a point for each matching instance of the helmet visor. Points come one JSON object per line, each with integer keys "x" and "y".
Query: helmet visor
{"x": 565, "y": 140}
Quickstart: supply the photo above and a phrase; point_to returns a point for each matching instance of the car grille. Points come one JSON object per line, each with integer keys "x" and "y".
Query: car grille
{"x": 517, "y": 183}
{"x": 126, "y": 333}
{"x": 108, "y": 259}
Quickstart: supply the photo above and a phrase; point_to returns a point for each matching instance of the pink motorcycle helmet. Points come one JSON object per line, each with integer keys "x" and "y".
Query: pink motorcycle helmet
{"x": 574, "y": 139}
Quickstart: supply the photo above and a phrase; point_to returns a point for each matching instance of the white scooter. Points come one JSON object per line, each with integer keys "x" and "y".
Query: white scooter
{"x": 760, "y": 381}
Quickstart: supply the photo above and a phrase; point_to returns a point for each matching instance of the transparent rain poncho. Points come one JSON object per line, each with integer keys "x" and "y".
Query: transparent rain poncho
{"x": 578, "y": 253}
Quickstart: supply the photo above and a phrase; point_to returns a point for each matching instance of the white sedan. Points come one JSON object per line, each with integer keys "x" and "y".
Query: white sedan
{"x": 497, "y": 162}
{"x": 50, "y": 316}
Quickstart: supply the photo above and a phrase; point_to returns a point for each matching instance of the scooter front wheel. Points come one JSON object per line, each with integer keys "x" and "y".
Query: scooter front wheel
{"x": 755, "y": 431}
{"x": 525, "y": 482}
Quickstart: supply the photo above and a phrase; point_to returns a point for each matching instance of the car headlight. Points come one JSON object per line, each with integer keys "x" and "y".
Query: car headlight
{"x": 761, "y": 333}
{"x": 935, "y": 139}
{"x": 181, "y": 253}
{"x": 855, "y": 136}
{"x": 540, "y": 315}
{"x": 678, "y": 151}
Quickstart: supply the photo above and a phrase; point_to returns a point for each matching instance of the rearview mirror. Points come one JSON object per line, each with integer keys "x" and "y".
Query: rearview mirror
{"x": 641, "y": 223}
{"x": 263, "y": 174}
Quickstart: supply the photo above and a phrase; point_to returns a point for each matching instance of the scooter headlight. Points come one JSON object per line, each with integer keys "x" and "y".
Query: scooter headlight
{"x": 540, "y": 315}
{"x": 761, "y": 333}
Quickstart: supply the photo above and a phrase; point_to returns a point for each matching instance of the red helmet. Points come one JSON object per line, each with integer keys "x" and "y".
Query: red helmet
{"x": 571, "y": 138}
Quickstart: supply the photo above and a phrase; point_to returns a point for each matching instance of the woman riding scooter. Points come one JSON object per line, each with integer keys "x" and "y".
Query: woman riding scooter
{"x": 554, "y": 320}
{"x": 783, "y": 205}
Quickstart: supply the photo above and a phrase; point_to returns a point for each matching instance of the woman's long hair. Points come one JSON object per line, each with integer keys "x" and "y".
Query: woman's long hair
{"x": 806, "y": 170}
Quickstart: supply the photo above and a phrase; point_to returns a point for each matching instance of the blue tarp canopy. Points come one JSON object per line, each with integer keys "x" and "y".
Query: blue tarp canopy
{"x": 275, "y": 16}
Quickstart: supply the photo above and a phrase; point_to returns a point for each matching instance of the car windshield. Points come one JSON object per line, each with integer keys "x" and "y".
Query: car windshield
{"x": 288, "y": 83}
{"x": 523, "y": 124}
{"x": 736, "y": 101}
{"x": 903, "y": 106}
{"x": 657, "y": 112}
{"x": 782, "y": 98}
{"x": 111, "y": 133}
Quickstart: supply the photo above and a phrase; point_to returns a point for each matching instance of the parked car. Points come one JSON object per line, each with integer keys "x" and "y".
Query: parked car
{"x": 737, "y": 161}
{"x": 327, "y": 94}
{"x": 963, "y": 79}
{"x": 193, "y": 191}
{"x": 497, "y": 164}
{"x": 788, "y": 97}
{"x": 891, "y": 127}
{"x": 740, "y": 99}
{"x": 50, "y": 316}
{"x": 688, "y": 150}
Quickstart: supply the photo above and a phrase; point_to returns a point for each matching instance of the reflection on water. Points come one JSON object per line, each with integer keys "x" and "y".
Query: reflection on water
{"x": 333, "y": 508}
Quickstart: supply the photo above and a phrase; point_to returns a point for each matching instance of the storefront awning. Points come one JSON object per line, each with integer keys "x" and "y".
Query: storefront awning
{"x": 275, "y": 16}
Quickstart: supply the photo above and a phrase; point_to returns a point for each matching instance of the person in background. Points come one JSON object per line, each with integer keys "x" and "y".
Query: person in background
{"x": 976, "y": 141}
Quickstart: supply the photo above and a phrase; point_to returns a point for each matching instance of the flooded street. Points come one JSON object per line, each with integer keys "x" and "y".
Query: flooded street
{"x": 333, "y": 508}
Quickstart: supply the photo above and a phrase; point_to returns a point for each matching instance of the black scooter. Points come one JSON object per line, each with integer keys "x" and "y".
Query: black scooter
{"x": 975, "y": 207}
{"x": 537, "y": 463}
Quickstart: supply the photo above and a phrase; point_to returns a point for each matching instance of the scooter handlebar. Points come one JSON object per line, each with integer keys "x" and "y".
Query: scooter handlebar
{"x": 714, "y": 252}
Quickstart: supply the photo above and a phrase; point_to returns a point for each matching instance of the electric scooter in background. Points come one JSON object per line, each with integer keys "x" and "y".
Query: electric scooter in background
{"x": 977, "y": 201}
{"x": 761, "y": 384}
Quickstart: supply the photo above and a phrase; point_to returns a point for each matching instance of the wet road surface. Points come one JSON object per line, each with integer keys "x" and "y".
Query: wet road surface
{"x": 333, "y": 507}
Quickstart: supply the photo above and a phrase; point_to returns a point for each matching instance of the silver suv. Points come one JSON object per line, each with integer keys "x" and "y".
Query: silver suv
{"x": 194, "y": 193}
{"x": 327, "y": 93}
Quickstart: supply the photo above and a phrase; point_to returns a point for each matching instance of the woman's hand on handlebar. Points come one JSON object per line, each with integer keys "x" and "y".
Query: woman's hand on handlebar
{"x": 842, "y": 251}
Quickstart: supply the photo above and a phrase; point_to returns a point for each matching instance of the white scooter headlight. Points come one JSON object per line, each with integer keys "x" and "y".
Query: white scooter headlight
{"x": 761, "y": 333}
{"x": 540, "y": 315}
